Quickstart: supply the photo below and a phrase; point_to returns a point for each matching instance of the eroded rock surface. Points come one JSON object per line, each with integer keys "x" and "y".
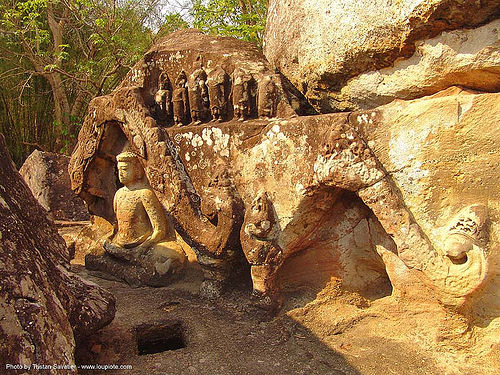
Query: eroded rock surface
{"x": 402, "y": 196}
{"x": 44, "y": 307}
{"x": 467, "y": 57}
{"x": 351, "y": 55}
{"x": 305, "y": 199}
{"x": 442, "y": 154}
{"x": 47, "y": 177}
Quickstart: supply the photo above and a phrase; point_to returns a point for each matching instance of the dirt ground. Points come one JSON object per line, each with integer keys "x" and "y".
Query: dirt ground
{"x": 330, "y": 332}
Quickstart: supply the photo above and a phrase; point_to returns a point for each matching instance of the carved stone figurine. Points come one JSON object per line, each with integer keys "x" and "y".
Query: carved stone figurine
{"x": 142, "y": 249}
{"x": 218, "y": 82}
{"x": 259, "y": 242}
{"x": 223, "y": 208}
{"x": 467, "y": 230}
{"x": 180, "y": 100}
{"x": 464, "y": 269}
{"x": 267, "y": 95}
{"x": 241, "y": 94}
{"x": 198, "y": 94}
{"x": 163, "y": 98}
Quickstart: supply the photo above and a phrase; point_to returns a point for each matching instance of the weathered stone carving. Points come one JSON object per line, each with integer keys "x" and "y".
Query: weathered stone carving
{"x": 344, "y": 188}
{"x": 259, "y": 236}
{"x": 464, "y": 272}
{"x": 467, "y": 230}
{"x": 432, "y": 181}
{"x": 453, "y": 273}
{"x": 218, "y": 90}
{"x": 223, "y": 207}
{"x": 267, "y": 97}
{"x": 142, "y": 248}
{"x": 163, "y": 98}
{"x": 242, "y": 104}
{"x": 180, "y": 100}
{"x": 198, "y": 93}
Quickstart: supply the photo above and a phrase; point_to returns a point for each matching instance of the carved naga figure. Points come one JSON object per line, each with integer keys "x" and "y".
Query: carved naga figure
{"x": 259, "y": 242}
{"x": 456, "y": 271}
{"x": 218, "y": 82}
{"x": 198, "y": 93}
{"x": 464, "y": 269}
{"x": 180, "y": 100}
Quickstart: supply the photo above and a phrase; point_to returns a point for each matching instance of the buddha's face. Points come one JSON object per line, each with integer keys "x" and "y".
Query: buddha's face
{"x": 127, "y": 172}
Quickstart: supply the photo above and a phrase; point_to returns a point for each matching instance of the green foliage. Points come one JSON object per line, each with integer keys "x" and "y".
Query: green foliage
{"x": 26, "y": 120}
{"x": 243, "y": 19}
{"x": 173, "y": 22}
{"x": 81, "y": 48}
{"x": 105, "y": 42}
{"x": 56, "y": 55}
{"x": 24, "y": 21}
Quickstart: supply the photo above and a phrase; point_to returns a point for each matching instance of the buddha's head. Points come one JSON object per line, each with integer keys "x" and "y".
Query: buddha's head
{"x": 129, "y": 168}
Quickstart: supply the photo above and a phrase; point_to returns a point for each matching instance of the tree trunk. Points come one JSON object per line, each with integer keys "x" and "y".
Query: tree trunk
{"x": 61, "y": 102}
{"x": 246, "y": 8}
{"x": 243, "y": 6}
{"x": 62, "y": 110}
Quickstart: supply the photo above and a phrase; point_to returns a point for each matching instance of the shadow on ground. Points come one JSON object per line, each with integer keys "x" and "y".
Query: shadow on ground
{"x": 227, "y": 336}
{"x": 171, "y": 330}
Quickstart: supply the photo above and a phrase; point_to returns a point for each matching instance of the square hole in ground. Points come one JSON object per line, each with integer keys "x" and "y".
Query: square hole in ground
{"x": 160, "y": 336}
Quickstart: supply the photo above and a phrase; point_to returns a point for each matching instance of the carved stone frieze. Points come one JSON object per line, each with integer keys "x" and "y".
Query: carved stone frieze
{"x": 347, "y": 195}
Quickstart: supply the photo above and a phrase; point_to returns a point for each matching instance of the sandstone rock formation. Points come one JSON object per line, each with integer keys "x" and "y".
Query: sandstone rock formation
{"x": 47, "y": 176}
{"x": 352, "y": 55}
{"x": 128, "y": 112}
{"x": 44, "y": 307}
{"x": 347, "y": 205}
{"x": 304, "y": 198}
{"x": 442, "y": 155}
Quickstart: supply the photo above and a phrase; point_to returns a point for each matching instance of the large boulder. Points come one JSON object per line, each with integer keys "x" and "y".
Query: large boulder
{"x": 209, "y": 176}
{"x": 45, "y": 308}
{"x": 404, "y": 194}
{"x": 304, "y": 199}
{"x": 351, "y": 55}
{"x": 441, "y": 153}
{"x": 47, "y": 176}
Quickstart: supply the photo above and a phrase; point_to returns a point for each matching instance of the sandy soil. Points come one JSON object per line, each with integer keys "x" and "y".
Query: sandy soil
{"x": 330, "y": 332}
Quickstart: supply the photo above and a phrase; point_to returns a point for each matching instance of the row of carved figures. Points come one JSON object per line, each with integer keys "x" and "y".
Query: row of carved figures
{"x": 207, "y": 97}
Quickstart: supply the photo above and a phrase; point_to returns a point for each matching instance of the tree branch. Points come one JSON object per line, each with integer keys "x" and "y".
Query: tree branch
{"x": 34, "y": 144}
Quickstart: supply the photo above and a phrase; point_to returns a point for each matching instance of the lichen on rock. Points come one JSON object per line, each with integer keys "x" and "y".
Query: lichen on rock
{"x": 45, "y": 307}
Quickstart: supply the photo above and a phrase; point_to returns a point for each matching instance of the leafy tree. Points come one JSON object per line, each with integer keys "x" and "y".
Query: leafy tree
{"x": 33, "y": 106}
{"x": 56, "y": 55}
{"x": 173, "y": 22}
{"x": 82, "y": 48}
{"x": 243, "y": 19}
